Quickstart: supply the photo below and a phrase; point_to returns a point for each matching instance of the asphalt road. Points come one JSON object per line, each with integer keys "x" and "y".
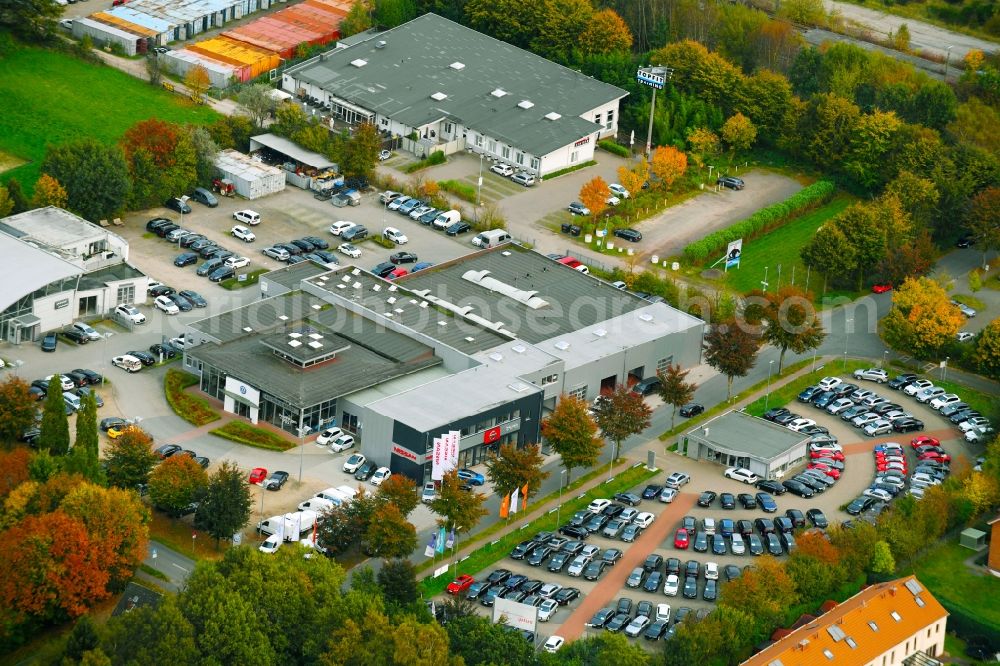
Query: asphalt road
{"x": 174, "y": 565}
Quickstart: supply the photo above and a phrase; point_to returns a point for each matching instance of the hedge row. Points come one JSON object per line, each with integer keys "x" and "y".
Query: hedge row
{"x": 459, "y": 189}
{"x": 244, "y": 433}
{"x": 614, "y": 148}
{"x": 761, "y": 222}
{"x": 563, "y": 172}
{"x": 192, "y": 408}
{"x": 437, "y": 157}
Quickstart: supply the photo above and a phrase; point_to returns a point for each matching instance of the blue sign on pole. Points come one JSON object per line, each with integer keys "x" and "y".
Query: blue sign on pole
{"x": 655, "y": 77}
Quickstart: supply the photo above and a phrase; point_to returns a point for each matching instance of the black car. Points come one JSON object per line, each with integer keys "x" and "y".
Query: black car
{"x": 316, "y": 242}
{"x": 49, "y": 342}
{"x": 574, "y": 531}
{"x": 539, "y": 555}
{"x": 78, "y": 378}
{"x": 594, "y": 570}
{"x": 523, "y": 549}
{"x": 293, "y": 250}
{"x": 706, "y": 498}
{"x": 221, "y": 273}
{"x": 185, "y": 259}
{"x": 566, "y": 595}
{"x": 611, "y": 555}
{"x": 772, "y": 414}
{"x": 692, "y": 409}
{"x": 383, "y": 269}
{"x": 747, "y": 500}
{"x": 366, "y": 471}
{"x": 647, "y": 386}
{"x": 183, "y": 304}
{"x": 167, "y": 450}
{"x": 809, "y": 393}
{"x": 196, "y": 299}
{"x": 769, "y": 486}
{"x": 672, "y": 566}
{"x": 728, "y": 501}
{"x": 797, "y": 517}
{"x": 965, "y": 240}
{"x": 530, "y": 586}
{"x": 755, "y": 545}
{"x": 596, "y": 523}
{"x": 490, "y": 596}
{"x": 860, "y": 505}
{"x": 498, "y": 576}
{"x": 711, "y": 591}
{"x": 165, "y": 350}
{"x": 798, "y": 488}
{"x": 156, "y": 223}
{"x": 191, "y": 239}
{"x": 601, "y": 618}
{"x": 718, "y": 544}
{"x": 783, "y": 524}
{"x": 690, "y": 588}
{"x": 653, "y": 562}
{"x": 303, "y": 244}
{"x": 731, "y": 182}
{"x": 202, "y": 461}
{"x": 700, "y": 544}
{"x": 773, "y": 544}
{"x": 744, "y": 527}
{"x": 630, "y": 235}
{"x": 92, "y": 377}
{"x": 76, "y": 336}
{"x": 145, "y": 357}
{"x": 767, "y": 503}
{"x": 652, "y": 491}
{"x": 654, "y": 582}
{"x": 656, "y": 630}
{"x": 899, "y": 382}
{"x": 178, "y": 205}
{"x": 458, "y": 228}
{"x": 112, "y": 422}
{"x": 403, "y": 258}
{"x": 559, "y": 561}
{"x": 165, "y": 229}
{"x": 514, "y": 581}
{"x": 907, "y": 424}
{"x": 612, "y": 510}
{"x": 209, "y": 266}
{"x": 785, "y": 419}
{"x": 628, "y": 498}
{"x": 275, "y": 481}
{"x": 689, "y": 523}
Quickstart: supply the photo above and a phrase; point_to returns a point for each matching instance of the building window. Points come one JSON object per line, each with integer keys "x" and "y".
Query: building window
{"x": 505, "y": 152}
{"x": 580, "y": 393}
{"x": 597, "y": 118}
{"x": 448, "y": 128}
{"x": 349, "y": 422}
{"x": 574, "y": 156}
{"x": 493, "y": 146}
{"x": 385, "y": 121}
{"x": 661, "y": 365}
{"x": 479, "y": 141}
{"x": 551, "y": 379}
{"x": 520, "y": 159}
{"x": 535, "y": 163}
{"x": 126, "y": 294}
{"x": 611, "y": 120}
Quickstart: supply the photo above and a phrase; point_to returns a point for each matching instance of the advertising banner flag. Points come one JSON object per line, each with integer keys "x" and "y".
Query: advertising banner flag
{"x": 505, "y": 506}
{"x": 524, "y": 494}
{"x": 437, "y": 470}
{"x": 440, "y": 542}
{"x": 445, "y": 454}
{"x": 513, "y": 500}
{"x": 733, "y": 253}
{"x": 432, "y": 546}
{"x": 451, "y": 539}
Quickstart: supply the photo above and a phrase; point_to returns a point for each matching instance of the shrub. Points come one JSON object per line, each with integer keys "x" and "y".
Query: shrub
{"x": 382, "y": 241}
{"x": 563, "y": 172}
{"x": 192, "y": 408}
{"x": 614, "y": 148}
{"x": 761, "y": 222}
{"x": 459, "y": 189}
{"x": 234, "y": 283}
{"x": 437, "y": 157}
{"x": 244, "y": 433}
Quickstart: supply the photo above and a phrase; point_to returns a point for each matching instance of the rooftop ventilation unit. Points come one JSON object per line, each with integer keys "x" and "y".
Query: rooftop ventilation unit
{"x": 496, "y": 356}
{"x": 442, "y": 323}
{"x": 390, "y": 300}
{"x": 316, "y": 345}
{"x": 505, "y": 253}
{"x": 346, "y": 278}
{"x": 317, "y": 306}
{"x": 283, "y": 317}
{"x": 356, "y": 271}
{"x": 469, "y": 338}
{"x": 388, "y": 314}
{"x": 457, "y": 66}
{"x": 376, "y": 287}
{"x": 552, "y": 115}
{"x": 398, "y": 310}
{"x": 357, "y": 285}
{"x": 520, "y": 349}
{"x": 518, "y": 387}
{"x": 423, "y": 304}
{"x": 439, "y": 96}
{"x": 561, "y": 345}
{"x": 525, "y": 104}
{"x": 315, "y": 336}
{"x": 645, "y": 316}
{"x": 600, "y": 332}
{"x": 381, "y": 44}
{"x": 341, "y": 286}
{"x": 499, "y": 92}
{"x": 295, "y": 335}
{"x": 294, "y": 343}
{"x": 247, "y": 329}
{"x": 393, "y": 287}
{"x": 359, "y": 62}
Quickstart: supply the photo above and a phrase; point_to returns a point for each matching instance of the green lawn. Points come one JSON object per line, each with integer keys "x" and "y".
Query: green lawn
{"x": 779, "y": 250}
{"x": 51, "y": 98}
{"x": 942, "y": 570}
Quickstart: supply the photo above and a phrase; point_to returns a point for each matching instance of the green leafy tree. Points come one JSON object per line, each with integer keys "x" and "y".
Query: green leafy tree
{"x": 176, "y": 483}
{"x": 458, "y": 509}
{"x": 205, "y": 154}
{"x": 604, "y": 649}
{"x": 389, "y": 535}
{"x": 226, "y": 504}
{"x": 82, "y": 639}
{"x": 481, "y": 643}
{"x": 31, "y": 20}
{"x": 17, "y": 408}
{"x": 673, "y": 390}
{"x": 400, "y": 491}
{"x": 162, "y": 161}
{"x": 827, "y": 129}
{"x": 514, "y": 468}
{"x": 129, "y": 460}
{"x": 984, "y": 220}
{"x": 154, "y": 73}
{"x": 622, "y": 414}
{"x": 94, "y": 174}
{"x": 732, "y": 350}
{"x": 361, "y": 152}
{"x": 918, "y": 196}
{"x": 392, "y": 13}
{"x": 791, "y": 321}
{"x": 151, "y": 635}
{"x": 257, "y": 101}
{"x": 987, "y": 354}
{"x": 829, "y": 252}
{"x": 55, "y": 426}
{"x": 572, "y": 433}
{"x": 6, "y": 205}
{"x": 342, "y": 526}
{"x": 882, "y": 561}
{"x": 83, "y": 458}
{"x": 398, "y": 580}
{"x": 43, "y": 466}
{"x": 17, "y": 196}
{"x": 358, "y": 19}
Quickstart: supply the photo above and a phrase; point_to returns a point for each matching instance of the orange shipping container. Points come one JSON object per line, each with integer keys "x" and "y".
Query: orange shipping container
{"x": 238, "y": 53}
{"x": 341, "y": 7}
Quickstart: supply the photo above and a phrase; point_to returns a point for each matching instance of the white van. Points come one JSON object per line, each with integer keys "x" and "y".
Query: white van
{"x": 127, "y": 363}
{"x": 348, "y": 492}
{"x": 317, "y": 504}
{"x": 446, "y": 219}
{"x": 491, "y": 238}
{"x": 334, "y": 496}
{"x": 271, "y": 525}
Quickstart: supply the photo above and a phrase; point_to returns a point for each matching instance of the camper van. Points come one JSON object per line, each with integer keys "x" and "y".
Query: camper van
{"x": 491, "y": 238}
{"x": 294, "y": 524}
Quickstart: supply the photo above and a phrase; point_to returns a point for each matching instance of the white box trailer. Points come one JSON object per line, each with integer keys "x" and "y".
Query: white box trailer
{"x": 253, "y": 179}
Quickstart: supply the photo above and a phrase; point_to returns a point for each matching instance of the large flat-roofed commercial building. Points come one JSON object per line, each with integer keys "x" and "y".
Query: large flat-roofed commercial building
{"x": 457, "y": 89}
{"x": 736, "y": 439}
{"x": 483, "y": 345}
{"x": 61, "y": 268}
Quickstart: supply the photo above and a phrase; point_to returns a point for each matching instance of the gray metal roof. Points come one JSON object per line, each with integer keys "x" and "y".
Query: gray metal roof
{"x": 259, "y": 317}
{"x": 53, "y": 226}
{"x": 285, "y": 147}
{"x": 369, "y": 355}
{"x": 741, "y": 434}
{"x": 572, "y": 300}
{"x": 113, "y": 273}
{"x": 431, "y": 55}
{"x": 290, "y": 276}
{"x": 33, "y": 267}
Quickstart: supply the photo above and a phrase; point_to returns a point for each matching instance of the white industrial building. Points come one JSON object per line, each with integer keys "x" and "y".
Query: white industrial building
{"x": 65, "y": 268}
{"x": 457, "y": 89}
{"x": 181, "y": 61}
{"x": 252, "y": 178}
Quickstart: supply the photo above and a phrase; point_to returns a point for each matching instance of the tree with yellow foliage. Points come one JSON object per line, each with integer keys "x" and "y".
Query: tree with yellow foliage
{"x": 594, "y": 195}
{"x": 668, "y": 164}
{"x": 739, "y": 132}
{"x": 922, "y": 318}
{"x": 197, "y": 82}
{"x": 634, "y": 178}
{"x": 988, "y": 349}
{"x": 704, "y": 144}
{"x": 49, "y": 192}
{"x": 606, "y": 32}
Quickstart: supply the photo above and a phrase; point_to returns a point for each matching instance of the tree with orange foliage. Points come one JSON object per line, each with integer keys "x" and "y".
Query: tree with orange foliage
{"x": 606, "y": 32}
{"x": 13, "y": 469}
{"x": 816, "y": 544}
{"x": 49, "y": 571}
{"x": 197, "y": 82}
{"x": 765, "y": 592}
{"x": 594, "y": 195}
{"x": 922, "y": 318}
{"x": 177, "y": 483}
{"x": 49, "y": 192}
{"x": 632, "y": 179}
{"x": 668, "y": 164}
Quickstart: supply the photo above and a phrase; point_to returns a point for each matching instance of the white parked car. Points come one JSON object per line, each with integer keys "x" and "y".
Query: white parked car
{"x": 87, "y": 330}
{"x": 618, "y": 190}
{"x": 381, "y": 474}
{"x": 974, "y": 422}
{"x": 711, "y": 571}
{"x": 877, "y": 494}
{"x": 644, "y": 519}
{"x": 503, "y": 170}
{"x": 131, "y": 313}
{"x": 829, "y": 383}
{"x": 65, "y": 382}
{"x": 395, "y": 235}
{"x": 181, "y": 341}
{"x": 613, "y": 200}
{"x": 826, "y": 446}
{"x": 350, "y": 250}
{"x": 668, "y": 495}
{"x": 741, "y": 474}
{"x": 598, "y": 505}
{"x": 342, "y": 443}
{"x": 553, "y": 644}
{"x": 237, "y": 262}
{"x": 738, "y": 546}
{"x": 166, "y": 305}
{"x": 127, "y": 362}
{"x": 978, "y": 434}
{"x": 271, "y": 544}
{"x": 328, "y": 435}
{"x": 964, "y": 336}
{"x": 799, "y": 424}
{"x": 352, "y": 464}
{"x": 663, "y": 612}
{"x": 243, "y": 233}
{"x": 247, "y": 217}
{"x": 340, "y": 227}
{"x": 917, "y": 386}
{"x": 944, "y": 400}
{"x": 637, "y": 626}
{"x": 429, "y": 493}
{"x": 547, "y": 609}
{"x": 929, "y": 394}
{"x": 872, "y": 374}
{"x": 670, "y": 585}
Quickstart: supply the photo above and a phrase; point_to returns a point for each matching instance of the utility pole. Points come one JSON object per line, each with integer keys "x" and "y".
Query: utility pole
{"x": 656, "y": 78}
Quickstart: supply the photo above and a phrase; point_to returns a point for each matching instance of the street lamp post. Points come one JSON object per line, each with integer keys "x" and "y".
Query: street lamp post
{"x": 847, "y": 338}
{"x": 300, "y": 430}
{"x": 885, "y": 359}
{"x": 767, "y": 396}
{"x": 947, "y": 58}
{"x": 562, "y": 476}
{"x": 107, "y": 366}
{"x": 614, "y": 454}
{"x": 479, "y": 190}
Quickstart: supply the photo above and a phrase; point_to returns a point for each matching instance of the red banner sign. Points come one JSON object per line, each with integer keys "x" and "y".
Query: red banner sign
{"x": 582, "y": 142}
{"x": 404, "y": 453}
{"x": 491, "y": 435}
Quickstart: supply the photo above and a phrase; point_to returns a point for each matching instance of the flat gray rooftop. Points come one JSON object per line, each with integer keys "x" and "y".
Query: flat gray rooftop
{"x": 33, "y": 267}
{"x": 532, "y": 296}
{"x": 53, "y": 226}
{"x": 259, "y": 317}
{"x": 290, "y": 276}
{"x": 483, "y": 83}
{"x": 739, "y": 433}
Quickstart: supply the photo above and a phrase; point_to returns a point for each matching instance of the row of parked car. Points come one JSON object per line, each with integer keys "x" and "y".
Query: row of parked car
{"x": 418, "y": 210}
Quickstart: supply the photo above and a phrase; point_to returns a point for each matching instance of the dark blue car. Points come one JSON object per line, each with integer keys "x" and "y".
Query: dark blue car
{"x": 186, "y": 259}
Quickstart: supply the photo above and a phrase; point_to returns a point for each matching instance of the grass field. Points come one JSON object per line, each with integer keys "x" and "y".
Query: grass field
{"x": 942, "y": 570}
{"x": 52, "y": 98}
{"x": 780, "y": 250}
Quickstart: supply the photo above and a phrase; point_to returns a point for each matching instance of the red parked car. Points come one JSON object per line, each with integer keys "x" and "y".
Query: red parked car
{"x": 934, "y": 455}
{"x": 832, "y": 455}
{"x": 460, "y": 584}
{"x": 826, "y": 469}
{"x": 924, "y": 440}
{"x": 881, "y": 288}
{"x": 257, "y": 475}
{"x": 681, "y": 539}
